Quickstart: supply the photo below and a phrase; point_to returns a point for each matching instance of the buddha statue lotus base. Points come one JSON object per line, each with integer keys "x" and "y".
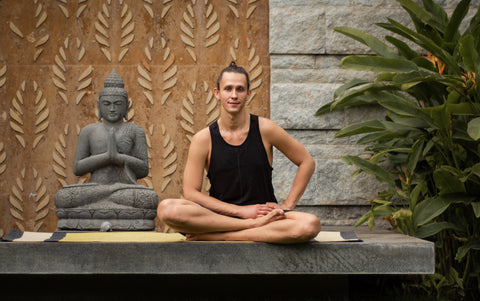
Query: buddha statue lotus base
{"x": 115, "y": 224}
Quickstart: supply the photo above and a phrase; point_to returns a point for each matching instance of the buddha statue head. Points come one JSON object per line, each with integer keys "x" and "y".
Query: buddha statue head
{"x": 113, "y": 95}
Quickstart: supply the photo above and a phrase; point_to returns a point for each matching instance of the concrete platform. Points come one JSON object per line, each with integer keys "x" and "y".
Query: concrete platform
{"x": 380, "y": 252}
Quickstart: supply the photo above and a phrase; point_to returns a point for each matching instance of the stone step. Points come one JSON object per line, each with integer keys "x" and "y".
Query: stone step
{"x": 379, "y": 252}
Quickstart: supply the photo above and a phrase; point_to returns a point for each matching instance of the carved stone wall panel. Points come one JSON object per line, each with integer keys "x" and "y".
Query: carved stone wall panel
{"x": 54, "y": 57}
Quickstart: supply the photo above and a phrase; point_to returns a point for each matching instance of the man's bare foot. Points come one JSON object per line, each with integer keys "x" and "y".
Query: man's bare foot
{"x": 215, "y": 236}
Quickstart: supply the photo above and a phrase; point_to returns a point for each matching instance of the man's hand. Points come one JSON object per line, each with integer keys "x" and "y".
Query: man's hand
{"x": 256, "y": 211}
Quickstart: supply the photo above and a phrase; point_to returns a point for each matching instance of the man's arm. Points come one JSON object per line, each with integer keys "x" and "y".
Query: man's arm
{"x": 197, "y": 162}
{"x": 274, "y": 135}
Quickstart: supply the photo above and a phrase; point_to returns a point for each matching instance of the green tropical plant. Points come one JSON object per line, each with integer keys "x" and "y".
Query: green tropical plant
{"x": 427, "y": 150}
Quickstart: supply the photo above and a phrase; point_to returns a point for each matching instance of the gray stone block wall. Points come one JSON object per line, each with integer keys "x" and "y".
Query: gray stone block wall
{"x": 305, "y": 54}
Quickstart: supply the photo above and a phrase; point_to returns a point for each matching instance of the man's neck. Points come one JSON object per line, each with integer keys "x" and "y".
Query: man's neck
{"x": 232, "y": 122}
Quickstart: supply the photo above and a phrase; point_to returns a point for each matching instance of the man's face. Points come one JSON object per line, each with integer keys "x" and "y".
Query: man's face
{"x": 233, "y": 94}
{"x": 112, "y": 107}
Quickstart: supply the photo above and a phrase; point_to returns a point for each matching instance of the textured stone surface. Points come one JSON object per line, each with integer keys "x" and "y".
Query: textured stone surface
{"x": 331, "y": 183}
{"x": 294, "y": 106}
{"x": 372, "y": 256}
{"x": 308, "y": 24}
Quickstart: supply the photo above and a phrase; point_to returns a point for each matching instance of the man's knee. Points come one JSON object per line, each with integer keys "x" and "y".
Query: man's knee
{"x": 314, "y": 226}
{"x": 167, "y": 210}
{"x": 309, "y": 227}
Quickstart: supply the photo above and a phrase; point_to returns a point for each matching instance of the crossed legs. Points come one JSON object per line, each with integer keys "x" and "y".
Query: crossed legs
{"x": 201, "y": 223}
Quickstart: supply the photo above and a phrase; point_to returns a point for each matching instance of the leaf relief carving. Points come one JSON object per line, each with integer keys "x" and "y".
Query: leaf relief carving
{"x": 59, "y": 157}
{"x": 169, "y": 159}
{"x": 16, "y": 202}
{"x": 3, "y": 158}
{"x": 3, "y": 76}
{"x": 16, "y": 115}
{"x": 187, "y": 113}
{"x": 41, "y": 201}
{"x": 213, "y": 111}
{"x": 40, "y": 38}
{"x": 41, "y": 115}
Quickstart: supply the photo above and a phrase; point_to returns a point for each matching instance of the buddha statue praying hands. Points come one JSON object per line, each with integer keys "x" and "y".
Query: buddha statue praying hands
{"x": 115, "y": 153}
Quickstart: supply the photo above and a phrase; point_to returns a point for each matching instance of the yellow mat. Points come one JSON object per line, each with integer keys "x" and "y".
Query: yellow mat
{"x": 122, "y": 237}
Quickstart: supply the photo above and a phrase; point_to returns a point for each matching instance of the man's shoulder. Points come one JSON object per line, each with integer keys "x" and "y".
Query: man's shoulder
{"x": 202, "y": 136}
{"x": 267, "y": 125}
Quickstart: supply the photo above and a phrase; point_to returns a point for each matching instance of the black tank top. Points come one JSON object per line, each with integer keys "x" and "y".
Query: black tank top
{"x": 242, "y": 174}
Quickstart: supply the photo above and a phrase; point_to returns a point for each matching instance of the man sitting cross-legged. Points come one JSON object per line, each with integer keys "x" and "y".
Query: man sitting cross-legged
{"x": 237, "y": 152}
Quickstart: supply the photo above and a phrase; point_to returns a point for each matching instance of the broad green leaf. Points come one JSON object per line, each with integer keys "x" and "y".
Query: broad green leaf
{"x": 351, "y": 84}
{"x": 446, "y": 182}
{"x": 363, "y": 219}
{"x": 476, "y": 208}
{"x": 415, "y": 155}
{"x": 474, "y": 128}
{"x": 440, "y": 115}
{"x": 453, "y": 97}
{"x": 429, "y": 209}
{"x": 358, "y": 96}
{"x": 463, "y": 250}
{"x": 402, "y": 106}
{"x": 437, "y": 12}
{"x": 471, "y": 172}
{"x": 407, "y": 121}
{"x": 380, "y": 174}
{"x": 371, "y": 221}
{"x": 372, "y": 42}
{"x": 383, "y": 202}
{"x": 469, "y": 53}
{"x": 434, "y": 228}
{"x": 418, "y": 12}
{"x": 377, "y": 64}
{"x": 403, "y": 214}
{"x": 422, "y": 41}
{"x": 324, "y": 109}
{"x": 458, "y": 14}
{"x": 403, "y": 48}
{"x": 463, "y": 108}
{"x": 382, "y": 210}
{"x": 474, "y": 22}
{"x": 375, "y": 137}
{"x": 409, "y": 79}
{"x": 385, "y": 77}
{"x": 356, "y": 100}
{"x": 400, "y": 128}
{"x": 428, "y": 147}
{"x": 415, "y": 193}
{"x": 360, "y": 128}
{"x": 475, "y": 169}
{"x": 352, "y": 98}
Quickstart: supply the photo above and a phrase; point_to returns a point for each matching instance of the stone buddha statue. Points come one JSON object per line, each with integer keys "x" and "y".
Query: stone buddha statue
{"x": 114, "y": 152}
